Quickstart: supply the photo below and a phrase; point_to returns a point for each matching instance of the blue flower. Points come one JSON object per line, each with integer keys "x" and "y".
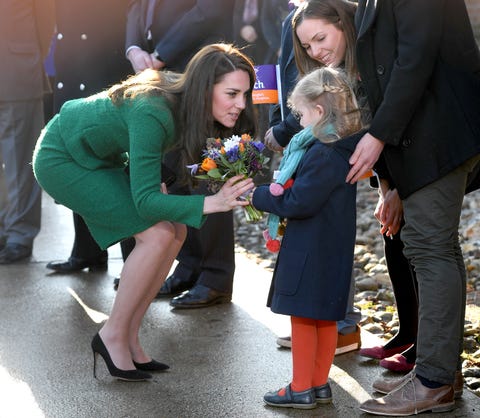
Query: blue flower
{"x": 260, "y": 146}
{"x": 233, "y": 154}
{"x": 193, "y": 168}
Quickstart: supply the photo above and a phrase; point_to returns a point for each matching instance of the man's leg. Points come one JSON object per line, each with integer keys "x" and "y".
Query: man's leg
{"x": 430, "y": 235}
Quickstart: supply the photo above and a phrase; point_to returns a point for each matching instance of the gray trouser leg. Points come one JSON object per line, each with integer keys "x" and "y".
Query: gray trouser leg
{"x": 430, "y": 235}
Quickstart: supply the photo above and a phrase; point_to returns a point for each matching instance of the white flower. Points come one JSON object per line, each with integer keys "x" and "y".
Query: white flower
{"x": 231, "y": 142}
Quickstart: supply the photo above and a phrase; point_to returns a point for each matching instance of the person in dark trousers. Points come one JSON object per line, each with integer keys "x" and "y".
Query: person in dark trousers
{"x": 422, "y": 79}
{"x": 88, "y": 57}
{"x": 26, "y": 28}
{"x": 164, "y": 35}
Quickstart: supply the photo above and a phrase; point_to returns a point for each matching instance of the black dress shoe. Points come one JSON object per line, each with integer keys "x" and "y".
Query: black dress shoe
{"x": 200, "y": 296}
{"x": 172, "y": 286}
{"x": 175, "y": 285}
{"x": 74, "y": 264}
{"x": 12, "y": 253}
{"x": 151, "y": 366}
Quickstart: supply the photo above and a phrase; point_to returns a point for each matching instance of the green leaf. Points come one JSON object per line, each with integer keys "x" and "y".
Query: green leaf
{"x": 214, "y": 173}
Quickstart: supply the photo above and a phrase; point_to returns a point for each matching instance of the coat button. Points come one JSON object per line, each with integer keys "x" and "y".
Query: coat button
{"x": 60, "y": 85}
{"x": 380, "y": 69}
{"x": 83, "y": 36}
{"x": 59, "y": 36}
{"x": 82, "y": 86}
{"x": 406, "y": 142}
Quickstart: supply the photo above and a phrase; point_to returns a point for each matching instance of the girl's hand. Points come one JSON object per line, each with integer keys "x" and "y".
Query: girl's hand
{"x": 226, "y": 198}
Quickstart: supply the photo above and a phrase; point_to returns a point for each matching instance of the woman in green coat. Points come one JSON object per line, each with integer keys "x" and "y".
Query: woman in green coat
{"x": 80, "y": 160}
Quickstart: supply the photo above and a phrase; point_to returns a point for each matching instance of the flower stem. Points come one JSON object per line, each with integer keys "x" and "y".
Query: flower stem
{"x": 252, "y": 215}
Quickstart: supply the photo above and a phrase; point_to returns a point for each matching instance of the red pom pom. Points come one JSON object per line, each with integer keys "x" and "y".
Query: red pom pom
{"x": 273, "y": 245}
{"x": 288, "y": 184}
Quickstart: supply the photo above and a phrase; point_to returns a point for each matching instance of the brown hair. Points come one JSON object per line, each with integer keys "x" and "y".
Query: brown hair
{"x": 190, "y": 96}
{"x": 340, "y": 13}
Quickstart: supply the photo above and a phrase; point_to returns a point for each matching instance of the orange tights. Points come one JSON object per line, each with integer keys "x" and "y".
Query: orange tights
{"x": 313, "y": 349}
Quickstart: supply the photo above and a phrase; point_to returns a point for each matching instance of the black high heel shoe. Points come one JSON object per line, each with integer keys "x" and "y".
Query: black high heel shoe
{"x": 151, "y": 366}
{"x": 98, "y": 347}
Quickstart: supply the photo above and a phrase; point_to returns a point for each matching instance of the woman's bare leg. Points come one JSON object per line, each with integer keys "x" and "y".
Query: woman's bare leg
{"x": 135, "y": 348}
{"x": 140, "y": 273}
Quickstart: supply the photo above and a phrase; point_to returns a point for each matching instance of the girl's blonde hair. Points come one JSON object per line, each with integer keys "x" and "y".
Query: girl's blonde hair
{"x": 329, "y": 88}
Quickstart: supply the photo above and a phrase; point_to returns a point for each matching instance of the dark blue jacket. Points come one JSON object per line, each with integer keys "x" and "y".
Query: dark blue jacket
{"x": 89, "y": 54}
{"x": 314, "y": 266}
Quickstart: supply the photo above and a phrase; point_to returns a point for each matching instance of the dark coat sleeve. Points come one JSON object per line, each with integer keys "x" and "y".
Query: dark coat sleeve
{"x": 135, "y": 24}
{"x": 187, "y": 33}
{"x": 404, "y": 78}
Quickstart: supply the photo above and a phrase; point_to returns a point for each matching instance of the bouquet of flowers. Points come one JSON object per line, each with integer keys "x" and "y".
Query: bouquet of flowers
{"x": 228, "y": 157}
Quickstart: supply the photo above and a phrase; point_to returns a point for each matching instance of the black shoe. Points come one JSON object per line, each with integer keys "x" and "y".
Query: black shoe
{"x": 323, "y": 394}
{"x": 291, "y": 399}
{"x": 200, "y": 296}
{"x": 172, "y": 286}
{"x": 12, "y": 253}
{"x": 74, "y": 264}
{"x": 98, "y": 347}
{"x": 151, "y": 366}
{"x": 175, "y": 285}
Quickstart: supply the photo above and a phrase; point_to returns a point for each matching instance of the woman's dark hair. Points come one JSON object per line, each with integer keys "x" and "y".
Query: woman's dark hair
{"x": 340, "y": 13}
{"x": 190, "y": 95}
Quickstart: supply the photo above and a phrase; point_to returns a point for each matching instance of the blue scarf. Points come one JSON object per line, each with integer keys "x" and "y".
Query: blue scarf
{"x": 292, "y": 155}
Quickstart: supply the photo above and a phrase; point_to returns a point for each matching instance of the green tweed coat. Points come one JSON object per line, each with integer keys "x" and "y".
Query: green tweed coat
{"x": 80, "y": 159}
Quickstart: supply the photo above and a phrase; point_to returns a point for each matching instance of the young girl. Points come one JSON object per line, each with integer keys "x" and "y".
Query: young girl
{"x": 312, "y": 276}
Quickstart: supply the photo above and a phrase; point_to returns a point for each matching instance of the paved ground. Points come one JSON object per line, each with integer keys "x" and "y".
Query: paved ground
{"x": 223, "y": 359}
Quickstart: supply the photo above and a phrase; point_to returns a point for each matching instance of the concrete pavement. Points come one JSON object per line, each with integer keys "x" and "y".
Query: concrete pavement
{"x": 223, "y": 359}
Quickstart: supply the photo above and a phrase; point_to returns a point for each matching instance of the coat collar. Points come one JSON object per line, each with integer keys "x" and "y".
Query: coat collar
{"x": 365, "y": 15}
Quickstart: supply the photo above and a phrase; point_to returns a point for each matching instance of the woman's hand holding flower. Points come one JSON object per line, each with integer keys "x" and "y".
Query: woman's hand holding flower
{"x": 227, "y": 197}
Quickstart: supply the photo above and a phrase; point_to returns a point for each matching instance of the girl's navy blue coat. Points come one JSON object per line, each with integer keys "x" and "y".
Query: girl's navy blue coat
{"x": 314, "y": 266}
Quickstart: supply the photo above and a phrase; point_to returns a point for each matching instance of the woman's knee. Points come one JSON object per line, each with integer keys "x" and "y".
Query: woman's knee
{"x": 181, "y": 232}
{"x": 159, "y": 235}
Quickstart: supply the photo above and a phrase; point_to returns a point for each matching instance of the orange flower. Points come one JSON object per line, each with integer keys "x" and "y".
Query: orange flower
{"x": 246, "y": 137}
{"x": 222, "y": 150}
{"x": 241, "y": 147}
{"x": 208, "y": 164}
